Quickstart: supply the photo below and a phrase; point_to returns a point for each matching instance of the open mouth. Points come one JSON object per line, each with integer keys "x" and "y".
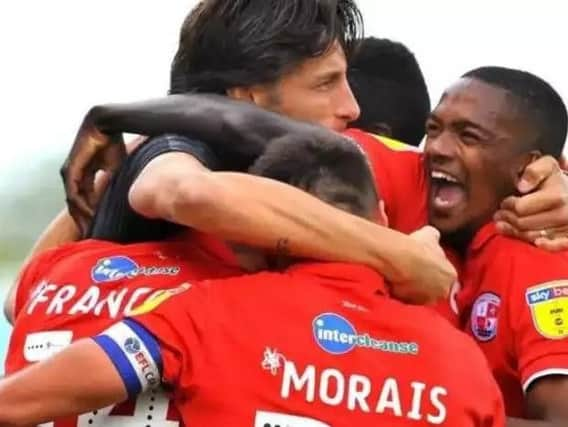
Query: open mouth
{"x": 446, "y": 191}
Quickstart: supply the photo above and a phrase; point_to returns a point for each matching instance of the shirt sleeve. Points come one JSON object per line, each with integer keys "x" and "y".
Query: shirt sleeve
{"x": 161, "y": 342}
{"x": 30, "y": 275}
{"x": 496, "y": 416}
{"x": 539, "y": 316}
{"x": 115, "y": 220}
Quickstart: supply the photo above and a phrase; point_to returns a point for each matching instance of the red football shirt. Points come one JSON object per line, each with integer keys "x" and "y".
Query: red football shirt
{"x": 515, "y": 300}
{"x": 80, "y": 289}
{"x": 319, "y": 345}
{"x": 401, "y": 180}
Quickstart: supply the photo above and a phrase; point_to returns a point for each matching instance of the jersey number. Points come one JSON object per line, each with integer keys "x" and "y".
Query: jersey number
{"x": 151, "y": 409}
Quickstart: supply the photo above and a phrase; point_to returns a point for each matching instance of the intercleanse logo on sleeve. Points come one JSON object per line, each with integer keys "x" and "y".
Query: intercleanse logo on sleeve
{"x": 336, "y": 335}
{"x": 121, "y": 267}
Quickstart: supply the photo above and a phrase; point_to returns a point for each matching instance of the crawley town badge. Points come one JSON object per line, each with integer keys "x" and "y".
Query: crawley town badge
{"x": 549, "y": 308}
{"x": 484, "y": 316}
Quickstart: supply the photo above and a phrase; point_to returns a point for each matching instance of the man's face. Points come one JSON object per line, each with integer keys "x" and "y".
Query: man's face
{"x": 317, "y": 91}
{"x": 474, "y": 141}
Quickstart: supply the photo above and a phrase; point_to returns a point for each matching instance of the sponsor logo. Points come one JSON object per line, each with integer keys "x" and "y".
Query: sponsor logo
{"x": 485, "y": 316}
{"x": 132, "y": 345}
{"x": 147, "y": 369}
{"x": 42, "y": 345}
{"x": 116, "y": 268}
{"x": 548, "y": 304}
{"x": 336, "y": 335}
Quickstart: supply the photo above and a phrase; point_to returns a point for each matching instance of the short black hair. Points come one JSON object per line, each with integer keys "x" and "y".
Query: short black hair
{"x": 539, "y": 103}
{"x": 389, "y": 85}
{"x": 336, "y": 172}
{"x": 230, "y": 43}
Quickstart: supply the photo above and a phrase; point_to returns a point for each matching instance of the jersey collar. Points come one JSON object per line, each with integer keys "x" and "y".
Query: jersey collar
{"x": 216, "y": 248}
{"x": 353, "y": 276}
{"x": 483, "y": 236}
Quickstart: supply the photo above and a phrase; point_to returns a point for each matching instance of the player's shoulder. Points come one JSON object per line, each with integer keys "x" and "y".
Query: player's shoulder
{"x": 386, "y": 146}
{"x": 521, "y": 269}
{"x": 525, "y": 257}
{"x": 437, "y": 332}
{"x": 251, "y": 279}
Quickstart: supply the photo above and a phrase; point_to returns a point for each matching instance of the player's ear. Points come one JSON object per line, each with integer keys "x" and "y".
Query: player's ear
{"x": 265, "y": 96}
{"x": 523, "y": 161}
{"x": 241, "y": 93}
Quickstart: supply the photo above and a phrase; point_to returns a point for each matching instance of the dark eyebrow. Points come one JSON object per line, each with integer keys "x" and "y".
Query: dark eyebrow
{"x": 328, "y": 75}
{"x": 462, "y": 124}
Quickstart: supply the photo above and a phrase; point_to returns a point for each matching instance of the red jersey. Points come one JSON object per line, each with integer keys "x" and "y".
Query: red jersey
{"x": 320, "y": 345}
{"x": 80, "y": 289}
{"x": 401, "y": 181}
{"x": 515, "y": 304}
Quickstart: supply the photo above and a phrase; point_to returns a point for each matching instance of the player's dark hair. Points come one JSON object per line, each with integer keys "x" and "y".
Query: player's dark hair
{"x": 389, "y": 85}
{"x": 336, "y": 172}
{"x": 230, "y": 43}
{"x": 540, "y": 105}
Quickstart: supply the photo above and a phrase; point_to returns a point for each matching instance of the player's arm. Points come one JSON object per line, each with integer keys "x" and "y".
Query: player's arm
{"x": 237, "y": 129}
{"x": 178, "y": 188}
{"x": 240, "y": 129}
{"x": 537, "y": 315}
{"x": 546, "y": 400}
{"x": 79, "y": 379}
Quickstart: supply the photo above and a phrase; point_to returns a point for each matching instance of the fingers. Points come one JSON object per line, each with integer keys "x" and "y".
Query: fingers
{"x": 551, "y": 239}
{"x": 536, "y": 173}
{"x": 428, "y": 234}
{"x": 552, "y": 245}
{"x": 540, "y": 201}
{"x": 548, "y": 219}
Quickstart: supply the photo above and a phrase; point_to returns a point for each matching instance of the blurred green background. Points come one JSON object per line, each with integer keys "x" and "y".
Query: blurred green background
{"x": 28, "y": 201}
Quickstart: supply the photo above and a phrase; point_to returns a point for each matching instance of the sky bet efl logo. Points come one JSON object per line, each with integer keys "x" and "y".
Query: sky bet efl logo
{"x": 121, "y": 267}
{"x": 336, "y": 335}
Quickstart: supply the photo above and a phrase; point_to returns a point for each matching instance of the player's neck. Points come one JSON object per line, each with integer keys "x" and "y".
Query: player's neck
{"x": 250, "y": 259}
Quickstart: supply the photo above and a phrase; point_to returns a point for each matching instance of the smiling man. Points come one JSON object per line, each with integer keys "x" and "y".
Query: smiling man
{"x": 484, "y": 132}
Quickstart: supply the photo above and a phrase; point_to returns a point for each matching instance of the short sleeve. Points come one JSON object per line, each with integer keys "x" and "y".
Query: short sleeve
{"x": 179, "y": 324}
{"x": 496, "y": 416}
{"x": 539, "y": 316}
{"x": 115, "y": 220}
{"x": 30, "y": 276}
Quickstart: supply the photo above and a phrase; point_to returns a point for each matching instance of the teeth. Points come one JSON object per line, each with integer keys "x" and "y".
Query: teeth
{"x": 444, "y": 176}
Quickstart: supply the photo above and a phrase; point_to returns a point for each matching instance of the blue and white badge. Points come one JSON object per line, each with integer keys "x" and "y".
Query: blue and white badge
{"x": 121, "y": 267}
{"x": 113, "y": 268}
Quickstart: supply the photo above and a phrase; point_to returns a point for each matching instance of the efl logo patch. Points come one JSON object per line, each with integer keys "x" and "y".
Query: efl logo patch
{"x": 549, "y": 308}
{"x": 484, "y": 316}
